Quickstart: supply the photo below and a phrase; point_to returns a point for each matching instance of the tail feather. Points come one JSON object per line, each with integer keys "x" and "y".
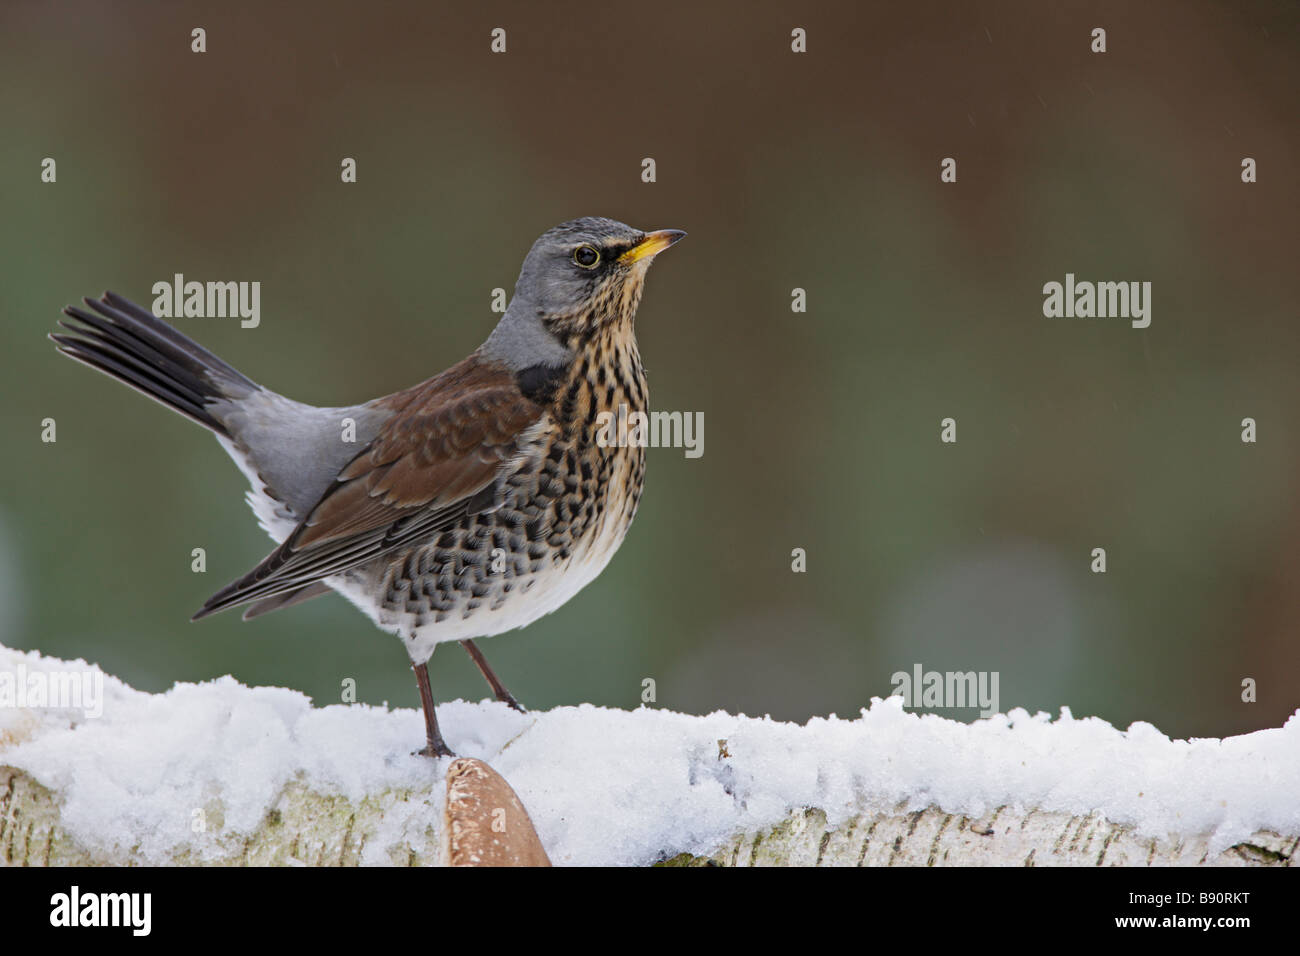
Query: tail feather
{"x": 139, "y": 349}
{"x": 288, "y": 599}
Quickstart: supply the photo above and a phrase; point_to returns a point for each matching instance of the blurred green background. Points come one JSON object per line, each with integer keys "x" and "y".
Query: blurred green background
{"x": 819, "y": 171}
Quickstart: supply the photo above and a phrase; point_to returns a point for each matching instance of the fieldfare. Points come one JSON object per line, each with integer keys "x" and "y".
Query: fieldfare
{"x": 468, "y": 505}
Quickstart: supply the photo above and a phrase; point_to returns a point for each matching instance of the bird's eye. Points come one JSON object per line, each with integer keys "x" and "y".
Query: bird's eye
{"x": 586, "y": 256}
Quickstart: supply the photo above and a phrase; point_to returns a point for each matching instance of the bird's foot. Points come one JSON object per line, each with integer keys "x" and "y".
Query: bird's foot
{"x": 433, "y": 750}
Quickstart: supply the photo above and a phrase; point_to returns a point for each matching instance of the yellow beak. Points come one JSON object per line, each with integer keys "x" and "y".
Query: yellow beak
{"x": 653, "y": 244}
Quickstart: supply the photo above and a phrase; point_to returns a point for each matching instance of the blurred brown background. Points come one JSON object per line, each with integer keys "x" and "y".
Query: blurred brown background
{"x": 819, "y": 171}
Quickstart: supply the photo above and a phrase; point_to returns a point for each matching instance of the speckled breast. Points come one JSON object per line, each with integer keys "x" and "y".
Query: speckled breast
{"x": 567, "y": 503}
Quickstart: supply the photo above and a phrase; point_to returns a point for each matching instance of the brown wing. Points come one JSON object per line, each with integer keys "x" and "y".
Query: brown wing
{"x": 434, "y": 461}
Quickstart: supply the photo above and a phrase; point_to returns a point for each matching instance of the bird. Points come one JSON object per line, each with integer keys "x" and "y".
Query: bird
{"x": 460, "y": 508}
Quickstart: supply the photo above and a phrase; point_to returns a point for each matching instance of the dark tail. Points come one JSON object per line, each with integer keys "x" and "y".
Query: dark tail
{"x": 136, "y": 347}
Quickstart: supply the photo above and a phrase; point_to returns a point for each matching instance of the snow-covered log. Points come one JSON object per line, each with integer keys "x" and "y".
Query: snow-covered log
{"x": 223, "y": 773}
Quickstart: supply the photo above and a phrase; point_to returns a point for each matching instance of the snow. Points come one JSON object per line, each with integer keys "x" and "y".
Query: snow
{"x": 607, "y": 786}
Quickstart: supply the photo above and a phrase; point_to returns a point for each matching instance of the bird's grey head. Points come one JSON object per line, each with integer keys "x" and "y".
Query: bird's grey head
{"x": 579, "y": 277}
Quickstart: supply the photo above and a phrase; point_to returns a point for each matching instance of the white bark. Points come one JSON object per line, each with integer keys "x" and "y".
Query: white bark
{"x": 1003, "y": 838}
{"x": 486, "y": 824}
{"x": 317, "y": 829}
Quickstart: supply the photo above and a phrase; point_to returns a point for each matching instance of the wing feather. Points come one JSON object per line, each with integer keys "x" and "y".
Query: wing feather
{"x": 433, "y": 463}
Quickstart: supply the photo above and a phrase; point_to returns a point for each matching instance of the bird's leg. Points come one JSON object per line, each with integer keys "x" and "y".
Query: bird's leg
{"x": 436, "y": 747}
{"x": 498, "y": 688}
